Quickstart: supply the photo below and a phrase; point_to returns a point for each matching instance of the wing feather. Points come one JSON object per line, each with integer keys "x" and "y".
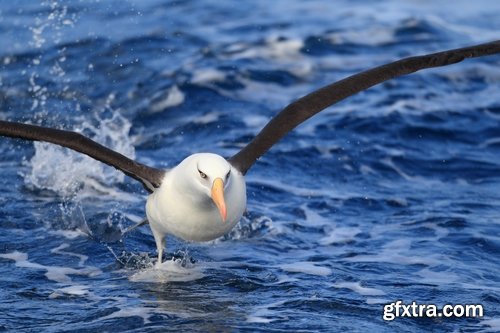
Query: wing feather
{"x": 150, "y": 177}
{"x": 304, "y": 108}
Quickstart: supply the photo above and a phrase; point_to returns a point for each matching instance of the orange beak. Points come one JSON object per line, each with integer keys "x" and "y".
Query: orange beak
{"x": 218, "y": 197}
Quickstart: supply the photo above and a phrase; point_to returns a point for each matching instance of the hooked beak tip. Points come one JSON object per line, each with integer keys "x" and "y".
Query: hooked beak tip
{"x": 218, "y": 197}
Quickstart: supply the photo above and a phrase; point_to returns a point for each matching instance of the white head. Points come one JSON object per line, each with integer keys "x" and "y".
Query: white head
{"x": 208, "y": 174}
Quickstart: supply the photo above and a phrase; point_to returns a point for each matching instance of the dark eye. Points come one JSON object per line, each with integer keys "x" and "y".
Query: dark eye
{"x": 228, "y": 174}
{"x": 202, "y": 174}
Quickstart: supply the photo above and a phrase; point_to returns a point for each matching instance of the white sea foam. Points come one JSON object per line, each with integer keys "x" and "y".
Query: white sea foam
{"x": 260, "y": 316}
{"x": 490, "y": 142}
{"x": 438, "y": 278}
{"x": 285, "y": 279}
{"x": 493, "y": 323}
{"x": 263, "y": 314}
{"x": 53, "y": 273}
{"x": 482, "y": 287}
{"x": 377, "y": 300}
{"x": 390, "y": 163}
{"x": 306, "y": 267}
{"x": 137, "y": 311}
{"x": 69, "y": 234}
{"x": 207, "y": 118}
{"x": 74, "y": 290}
{"x": 356, "y": 287}
{"x": 476, "y": 33}
{"x": 416, "y": 180}
{"x": 169, "y": 271}
{"x": 340, "y": 235}
{"x": 173, "y": 97}
{"x": 307, "y": 192}
{"x": 398, "y": 252}
{"x": 284, "y": 52}
{"x": 312, "y": 218}
{"x": 59, "y": 250}
{"x": 376, "y": 36}
{"x": 274, "y": 47}
{"x": 207, "y": 76}
{"x": 366, "y": 170}
{"x": 255, "y": 121}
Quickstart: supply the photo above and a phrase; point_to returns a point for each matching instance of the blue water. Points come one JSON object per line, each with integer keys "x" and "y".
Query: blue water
{"x": 391, "y": 194}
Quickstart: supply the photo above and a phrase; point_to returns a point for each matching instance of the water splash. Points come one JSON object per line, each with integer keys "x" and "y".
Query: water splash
{"x": 77, "y": 178}
{"x": 48, "y": 30}
{"x": 68, "y": 173}
{"x": 174, "y": 270}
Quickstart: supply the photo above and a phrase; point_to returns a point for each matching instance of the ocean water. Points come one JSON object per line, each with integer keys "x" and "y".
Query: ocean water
{"x": 392, "y": 194}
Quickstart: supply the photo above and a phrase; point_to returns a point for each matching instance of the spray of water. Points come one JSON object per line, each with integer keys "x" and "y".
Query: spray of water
{"x": 75, "y": 177}
{"x": 67, "y": 172}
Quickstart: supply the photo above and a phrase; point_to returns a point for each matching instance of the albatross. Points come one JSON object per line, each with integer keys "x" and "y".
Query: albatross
{"x": 204, "y": 196}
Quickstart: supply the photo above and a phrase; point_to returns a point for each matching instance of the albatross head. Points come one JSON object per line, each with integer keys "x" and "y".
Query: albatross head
{"x": 209, "y": 175}
{"x": 213, "y": 174}
{"x": 200, "y": 199}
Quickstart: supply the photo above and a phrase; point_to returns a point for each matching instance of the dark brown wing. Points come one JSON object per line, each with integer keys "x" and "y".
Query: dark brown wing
{"x": 307, "y": 106}
{"x": 149, "y": 177}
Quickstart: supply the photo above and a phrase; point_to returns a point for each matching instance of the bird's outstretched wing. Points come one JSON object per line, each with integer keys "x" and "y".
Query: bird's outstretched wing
{"x": 304, "y": 108}
{"x": 150, "y": 177}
